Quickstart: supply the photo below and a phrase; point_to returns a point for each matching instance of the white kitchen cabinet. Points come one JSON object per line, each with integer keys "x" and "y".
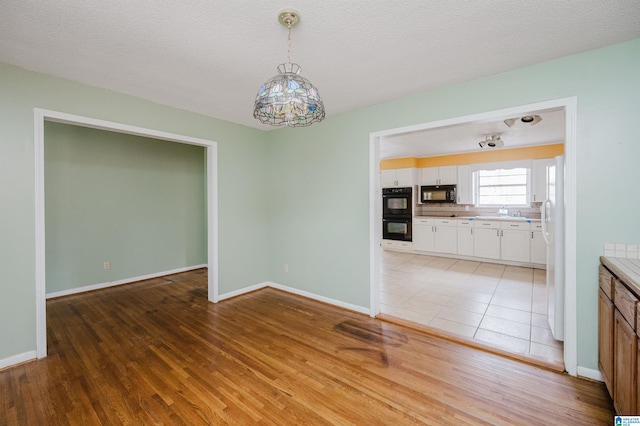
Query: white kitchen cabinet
{"x": 515, "y": 244}
{"x": 464, "y": 189}
{"x": 486, "y": 239}
{"x": 538, "y": 245}
{"x": 445, "y": 175}
{"x": 465, "y": 237}
{"x": 539, "y": 179}
{"x": 397, "y": 178}
{"x": 397, "y": 245}
{"x": 445, "y": 236}
{"x": 423, "y": 234}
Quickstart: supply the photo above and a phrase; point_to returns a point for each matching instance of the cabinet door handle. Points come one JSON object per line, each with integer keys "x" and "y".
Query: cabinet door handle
{"x": 471, "y": 231}
{"x": 532, "y": 235}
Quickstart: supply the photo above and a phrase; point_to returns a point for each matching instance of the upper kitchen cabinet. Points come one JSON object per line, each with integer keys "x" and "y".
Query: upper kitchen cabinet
{"x": 465, "y": 185}
{"x": 444, "y": 175}
{"x": 392, "y": 178}
{"x": 539, "y": 179}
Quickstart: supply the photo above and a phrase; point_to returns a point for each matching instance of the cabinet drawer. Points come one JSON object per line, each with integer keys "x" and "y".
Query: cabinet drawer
{"x": 536, "y": 226}
{"x": 465, "y": 224}
{"x": 606, "y": 282}
{"x": 626, "y": 303}
{"x": 493, "y": 224}
{"x": 524, "y": 226}
{"x": 423, "y": 222}
{"x": 445, "y": 222}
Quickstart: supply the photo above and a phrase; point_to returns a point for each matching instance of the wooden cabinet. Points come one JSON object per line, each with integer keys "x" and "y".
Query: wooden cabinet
{"x": 606, "y": 313}
{"x": 618, "y": 335}
{"x": 464, "y": 189}
{"x": 624, "y": 366}
{"x": 514, "y": 241}
{"x": 445, "y": 175}
{"x": 397, "y": 178}
{"x": 538, "y": 244}
{"x": 465, "y": 237}
{"x": 486, "y": 239}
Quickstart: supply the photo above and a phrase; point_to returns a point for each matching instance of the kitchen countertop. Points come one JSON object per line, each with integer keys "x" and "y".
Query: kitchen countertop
{"x": 517, "y": 219}
{"x": 627, "y": 270}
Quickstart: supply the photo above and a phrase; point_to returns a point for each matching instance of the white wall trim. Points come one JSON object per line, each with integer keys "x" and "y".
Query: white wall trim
{"x": 211, "y": 155}
{"x": 569, "y": 105}
{"x": 308, "y": 295}
{"x": 590, "y": 374}
{"x": 99, "y": 286}
{"x": 242, "y": 291}
{"x": 319, "y": 298}
{"x": 17, "y": 359}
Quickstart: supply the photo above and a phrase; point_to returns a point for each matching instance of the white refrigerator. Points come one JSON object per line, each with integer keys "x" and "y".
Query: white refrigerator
{"x": 552, "y": 215}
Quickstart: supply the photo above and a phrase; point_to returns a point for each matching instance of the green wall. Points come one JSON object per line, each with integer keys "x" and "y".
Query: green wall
{"x": 319, "y": 217}
{"x": 241, "y": 171}
{"x": 301, "y": 196}
{"x": 136, "y": 202}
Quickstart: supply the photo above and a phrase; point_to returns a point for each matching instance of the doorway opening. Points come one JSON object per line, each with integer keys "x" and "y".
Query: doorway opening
{"x": 568, "y": 107}
{"x": 40, "y": 117}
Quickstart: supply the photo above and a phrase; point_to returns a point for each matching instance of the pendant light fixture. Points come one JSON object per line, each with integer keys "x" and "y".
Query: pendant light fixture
{"x": 288, "y": 98}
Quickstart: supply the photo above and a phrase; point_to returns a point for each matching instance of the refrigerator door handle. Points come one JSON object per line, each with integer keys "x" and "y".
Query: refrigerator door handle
{"x": 543, "y": 221}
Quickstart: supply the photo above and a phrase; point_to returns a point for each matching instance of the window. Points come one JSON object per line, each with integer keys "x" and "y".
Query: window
{"x": 502, "y": 187}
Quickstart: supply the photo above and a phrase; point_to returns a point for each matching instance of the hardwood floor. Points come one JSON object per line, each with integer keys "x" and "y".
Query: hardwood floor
{"x": 158, "y": 352}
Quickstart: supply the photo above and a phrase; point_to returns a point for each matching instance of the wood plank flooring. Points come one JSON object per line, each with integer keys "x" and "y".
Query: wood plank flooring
{"x": 157, "y": 352}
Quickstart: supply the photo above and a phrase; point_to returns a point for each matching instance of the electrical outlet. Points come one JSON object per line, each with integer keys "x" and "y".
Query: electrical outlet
{"x": 466, "y": 208}
{"x": 107, "y": 265}
{"x": 286, "y": 267}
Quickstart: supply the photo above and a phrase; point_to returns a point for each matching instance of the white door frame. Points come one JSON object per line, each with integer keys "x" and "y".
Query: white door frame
{"x": 211, "y": 149}
{"x": 569, "y": 105}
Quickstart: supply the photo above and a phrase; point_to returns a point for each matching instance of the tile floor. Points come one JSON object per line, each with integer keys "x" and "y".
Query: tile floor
{"x": 504, "y": 306}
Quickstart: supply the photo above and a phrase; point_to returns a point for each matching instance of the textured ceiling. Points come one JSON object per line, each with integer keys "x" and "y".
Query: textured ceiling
{"x": 211, "y": 56}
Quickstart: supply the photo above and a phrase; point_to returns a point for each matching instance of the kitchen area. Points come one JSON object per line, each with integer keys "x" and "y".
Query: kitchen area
{"x": 472, "y": 243}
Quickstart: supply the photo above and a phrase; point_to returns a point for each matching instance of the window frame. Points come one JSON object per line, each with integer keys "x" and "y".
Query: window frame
{"x": 507, "y": 165}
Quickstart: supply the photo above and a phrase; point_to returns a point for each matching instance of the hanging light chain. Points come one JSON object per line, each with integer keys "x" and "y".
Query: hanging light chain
{"x": 289, "y": 41}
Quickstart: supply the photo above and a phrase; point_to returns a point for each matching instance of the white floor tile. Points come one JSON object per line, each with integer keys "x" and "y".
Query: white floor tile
{"x": 503, "y": 306}
{"x": 505, "y": 326}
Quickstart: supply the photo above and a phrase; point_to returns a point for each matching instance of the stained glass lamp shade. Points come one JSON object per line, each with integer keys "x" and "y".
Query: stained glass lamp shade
{"x": 288, "y": 98}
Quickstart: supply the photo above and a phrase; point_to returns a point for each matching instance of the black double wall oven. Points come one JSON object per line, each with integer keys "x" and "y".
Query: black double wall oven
{"x": 397, "y": 213}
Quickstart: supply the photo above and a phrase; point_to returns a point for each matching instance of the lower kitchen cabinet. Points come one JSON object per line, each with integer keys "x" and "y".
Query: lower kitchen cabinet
{"x": 465, "y": 237}
{"x": 423, "y": 234}
{"x": 445, "y": 236}
{"x": 486, "y": 239}
{"x": 624, "y": 366}
{"x": 397, "y": 245}
{"x": 515, "y": 244}
{"x": 606, "y": 314}
{"x": 538, "y": 245}
{"x": 618, "y": 357}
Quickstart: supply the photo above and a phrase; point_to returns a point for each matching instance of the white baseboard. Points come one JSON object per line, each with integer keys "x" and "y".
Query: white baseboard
{"x": 295, "y": 291}
{"x": 590, "y": 374}
{"x": 242, "y": 291}
{"x": 17, "y": 359}
{"x": 120, "y": 282}
{"x": 319, "y": 298}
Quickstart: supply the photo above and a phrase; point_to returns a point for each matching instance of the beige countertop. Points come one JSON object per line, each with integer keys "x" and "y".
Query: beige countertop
{"x": 627, "y": 270}
{"x": 515, "y": 219}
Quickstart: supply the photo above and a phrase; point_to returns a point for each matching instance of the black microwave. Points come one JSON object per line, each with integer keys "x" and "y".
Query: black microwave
{"x": 438, "y": 194}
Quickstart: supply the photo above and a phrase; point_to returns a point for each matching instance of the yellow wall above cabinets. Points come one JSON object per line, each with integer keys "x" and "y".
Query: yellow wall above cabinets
{"x": 527, "y": 153}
